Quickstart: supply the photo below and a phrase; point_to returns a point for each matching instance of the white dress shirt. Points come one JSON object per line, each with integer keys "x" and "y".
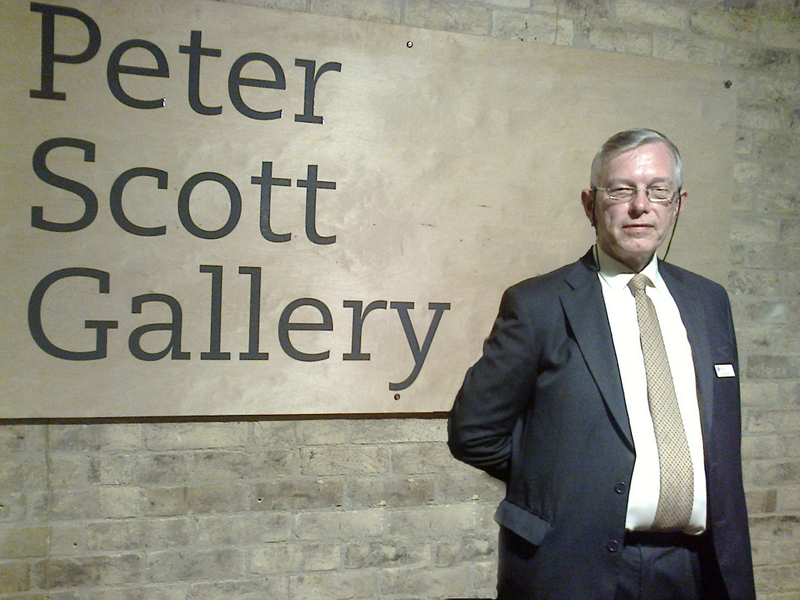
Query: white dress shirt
{"x": 621, "y": 311}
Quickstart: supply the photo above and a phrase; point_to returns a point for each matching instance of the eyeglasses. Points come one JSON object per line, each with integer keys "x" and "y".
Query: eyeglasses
{"x": 657, "y": 195}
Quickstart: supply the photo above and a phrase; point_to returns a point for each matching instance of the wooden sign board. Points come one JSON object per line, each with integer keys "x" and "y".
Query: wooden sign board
{"x": 211, "y": 209}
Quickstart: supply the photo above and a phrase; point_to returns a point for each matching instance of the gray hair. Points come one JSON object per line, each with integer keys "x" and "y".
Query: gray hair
{"x": 631, "y": 139}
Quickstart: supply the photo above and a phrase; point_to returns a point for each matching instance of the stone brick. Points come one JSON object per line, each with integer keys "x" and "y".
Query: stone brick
{"x": 320, "y": 461}
{"x": 761, "y": 552}
{"x": 458, "y": 485}
{"x": 68, "y": 538}
{"x": 243, "y": 529}
{"x": 109, "y": 437}
{"x": 788, "y": 500}
{"x": 66, "y": 469}
{"x": 780, "y": 34}
{"x": 762, "y": 117}
{"x": 647, "y": 14}
{"x": 770, "y": 421}
{"x": 195, "y": 436}
{"x": 778, "y": 527}
{"x": 469, "y": 548}
{"x": 387, "y": 11}
{"x": 297, "y": 493}
{"x": 717, "y": 23}
{"x": 763, "y": 473}
{"x": 146, "y": 469}
{"x": 294, "y": 558}
{"x": 538, "y": 5}
{"x": 443, "y": 582}
{"x": 386, "y": 553}
{"x": 525, "y": 26}
{"x": 773, "y": 367}
{"x": 391, "y": 491}
{"x": 166, "y": 501}
{"x": 761, "y": 446}
{"x": 239, "y": 464}
{"x": 96, "y": 503}
{"x": 18, "y": 470}
{"x": 436, "y": 521}
{"x": 130, "y": 592}
{"x": 23, "y": 438}
{"x": 776, "y": 578}
{"x": 616, "y": 39}
{"x": 193, "y": 564}
{"x": 335, "y": 585}
{"x": 91, "y": 570}
{"x": 761, "y": 501}
{"x": 385, "y": 431}
{"x": 749, "y": 228}
{"x": 790, "y": 230}
{"x": 218, "y": 498}
{"x": 269, "y": 588}
{"x": 414, "y": 459}
{"x": 585, "y": 9}
{"x": 764, "y": 256}
{"x": 448, "y": 15}
{"x": 762, "y": 394}
{"x": 148, "y": 534}
{"x": 14, "y": 576}
{"x": 23, "y": 541}
{"x": 780, "y": 312}
{"x": 688, "y": 48}
{"x": 759, "y": 87}
{"x": 340, "y": 525}
{"x": 755, "y": 283}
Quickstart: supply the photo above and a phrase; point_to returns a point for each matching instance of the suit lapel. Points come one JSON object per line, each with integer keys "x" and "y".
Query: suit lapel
{"x": 585, "y": 311}
{"x": 690, "y": 307}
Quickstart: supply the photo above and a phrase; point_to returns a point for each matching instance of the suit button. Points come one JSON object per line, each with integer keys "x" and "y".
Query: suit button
{"x": 612, "y": 546}
{"x": 620, "y": 487}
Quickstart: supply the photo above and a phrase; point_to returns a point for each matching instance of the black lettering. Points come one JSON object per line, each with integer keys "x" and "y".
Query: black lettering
{"x": 266, "y": 181}
{"x": 310, "y": 90}
{"x": 285, "y": 326}
{"x": 235, "y": 81}
{"x": 418, "y": 353}
{"x": 115, "y": 200}
{"x": 114, "y": 70}
{"x": 101, "y": 327}
{"x": 215, "y": 334}
{"x": 234, "y": 197}
{"x": 195, "y": 51}
{"x": 42, "y": 172}
{"x": 49, "y": 56}
{"x": 255, "y": 315}
{"x": 175, "y": 326}
{"x": 312, "y": 184}
{"x": 358, "y": 324}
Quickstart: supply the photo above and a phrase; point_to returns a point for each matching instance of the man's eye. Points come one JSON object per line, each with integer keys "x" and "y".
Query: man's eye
{"x": 622, "y": 191}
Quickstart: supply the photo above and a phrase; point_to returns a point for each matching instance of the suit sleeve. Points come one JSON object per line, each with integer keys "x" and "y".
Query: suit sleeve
{"x": 496, "y": 390}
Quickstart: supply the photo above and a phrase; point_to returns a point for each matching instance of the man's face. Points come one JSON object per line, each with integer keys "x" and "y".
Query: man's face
{"x": 632, "y": 231}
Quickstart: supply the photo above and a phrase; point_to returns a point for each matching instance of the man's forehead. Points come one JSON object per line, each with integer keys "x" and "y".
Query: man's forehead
{"x": 655, "y": 153}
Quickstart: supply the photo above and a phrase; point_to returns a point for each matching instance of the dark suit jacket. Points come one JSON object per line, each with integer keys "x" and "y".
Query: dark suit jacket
{"x": 543, "y": 410}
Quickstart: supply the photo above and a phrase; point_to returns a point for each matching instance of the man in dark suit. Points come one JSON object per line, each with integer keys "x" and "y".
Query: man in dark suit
{"x": 607, "y": 399}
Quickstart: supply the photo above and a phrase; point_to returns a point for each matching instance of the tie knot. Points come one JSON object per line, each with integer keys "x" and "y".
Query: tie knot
{"x": 638, "y": 282}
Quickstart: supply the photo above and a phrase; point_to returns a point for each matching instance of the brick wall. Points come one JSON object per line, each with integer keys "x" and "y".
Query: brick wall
{"x": 376, "y": 508}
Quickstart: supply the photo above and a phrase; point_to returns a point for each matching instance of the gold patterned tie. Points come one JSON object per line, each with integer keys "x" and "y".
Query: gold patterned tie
{"x": 676, "y": 494}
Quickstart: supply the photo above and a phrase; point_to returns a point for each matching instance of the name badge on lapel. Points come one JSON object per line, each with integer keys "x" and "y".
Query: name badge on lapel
{"x": 724, "y": 370}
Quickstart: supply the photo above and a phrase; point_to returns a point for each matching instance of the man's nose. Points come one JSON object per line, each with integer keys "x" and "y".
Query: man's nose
{"x": 640, "y": 202}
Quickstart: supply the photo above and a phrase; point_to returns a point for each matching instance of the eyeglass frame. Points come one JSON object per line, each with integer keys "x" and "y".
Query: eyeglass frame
{"x": 646, "y": 191}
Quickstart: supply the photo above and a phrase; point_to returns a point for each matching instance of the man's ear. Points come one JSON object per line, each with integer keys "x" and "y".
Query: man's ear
{"x": 587, "y": 199}
{"x": 682, "y": 198}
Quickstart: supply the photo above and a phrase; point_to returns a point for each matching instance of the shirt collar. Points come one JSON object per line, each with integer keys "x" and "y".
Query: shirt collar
{"x": 617, "y": 275}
